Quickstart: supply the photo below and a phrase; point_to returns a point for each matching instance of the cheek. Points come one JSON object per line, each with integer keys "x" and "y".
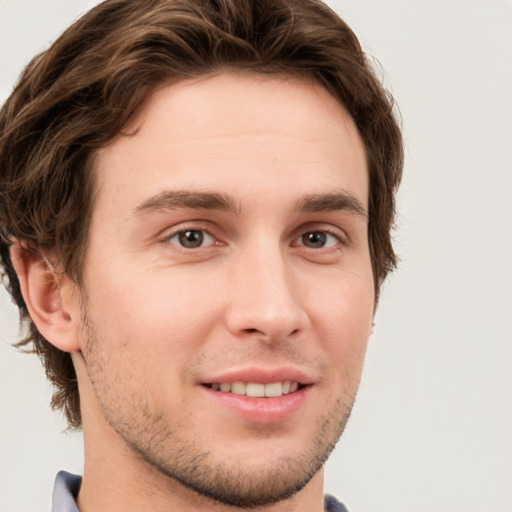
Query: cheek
{"x": 150, "y": 315}
{"x": 342, "y": 315}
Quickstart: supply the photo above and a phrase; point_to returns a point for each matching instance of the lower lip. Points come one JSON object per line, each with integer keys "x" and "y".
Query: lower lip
{"x": 261, "y": 410}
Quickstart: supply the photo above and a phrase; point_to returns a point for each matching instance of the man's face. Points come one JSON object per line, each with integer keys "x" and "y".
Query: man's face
{"x": 228, "y": 254}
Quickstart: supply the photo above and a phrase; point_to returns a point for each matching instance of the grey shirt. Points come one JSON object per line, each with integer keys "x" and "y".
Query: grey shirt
{"x": 67, "y": 486}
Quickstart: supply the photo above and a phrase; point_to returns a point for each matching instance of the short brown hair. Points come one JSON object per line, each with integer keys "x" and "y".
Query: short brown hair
{"x": 78, "y": 95}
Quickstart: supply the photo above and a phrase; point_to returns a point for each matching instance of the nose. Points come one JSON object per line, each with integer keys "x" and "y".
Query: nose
{"x": 265, "y": 298}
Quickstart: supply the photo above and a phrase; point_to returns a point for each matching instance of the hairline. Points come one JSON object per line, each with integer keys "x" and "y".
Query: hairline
{"x": 133, "y": 125}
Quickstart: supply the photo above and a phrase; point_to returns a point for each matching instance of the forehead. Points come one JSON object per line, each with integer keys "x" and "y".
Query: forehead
{"x": 230, "y": 129}
{"x": 234, "y": 98}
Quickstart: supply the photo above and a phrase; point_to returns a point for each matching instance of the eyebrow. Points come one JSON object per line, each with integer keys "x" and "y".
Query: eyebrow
{"x": 311, "y": 203}
{"x": 314, "y": 203}
{"x": 172, "y": 199}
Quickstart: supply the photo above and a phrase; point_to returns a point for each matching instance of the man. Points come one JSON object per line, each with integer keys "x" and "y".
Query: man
{"x": 195, "y": 213}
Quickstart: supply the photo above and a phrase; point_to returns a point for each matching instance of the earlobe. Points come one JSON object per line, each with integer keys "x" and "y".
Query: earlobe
{"x": 53, "y": 312}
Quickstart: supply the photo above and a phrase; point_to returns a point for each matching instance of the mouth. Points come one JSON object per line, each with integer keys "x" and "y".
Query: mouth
{"x": 257, "y": 389}
{"x": 260, "y": 396}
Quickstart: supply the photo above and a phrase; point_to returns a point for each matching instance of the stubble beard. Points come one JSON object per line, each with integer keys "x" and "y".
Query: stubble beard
{"x": 172, "y": 451}
{"x": 233, "y": 482}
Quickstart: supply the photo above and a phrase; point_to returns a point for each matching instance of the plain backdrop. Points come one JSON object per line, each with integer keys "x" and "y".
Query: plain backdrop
{"x": 432, "y": 425}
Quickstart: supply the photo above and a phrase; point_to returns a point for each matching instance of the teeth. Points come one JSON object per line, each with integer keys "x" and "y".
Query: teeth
{"x": 274, "y": 389}
{"x": 255, "y": 389}
{"x": 238, "y": 388}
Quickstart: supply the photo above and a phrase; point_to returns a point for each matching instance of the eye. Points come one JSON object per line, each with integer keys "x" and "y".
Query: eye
{"x": 318, "y": 240}
{"x": 192, "y": 238}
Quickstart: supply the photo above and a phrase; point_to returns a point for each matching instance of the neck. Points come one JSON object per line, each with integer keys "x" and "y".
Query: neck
{"x": 117, "y": 478}
{"x": 105, "y": 488}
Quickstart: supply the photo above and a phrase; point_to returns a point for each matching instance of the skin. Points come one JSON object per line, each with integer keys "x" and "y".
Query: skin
{"x": 155, "y": 321}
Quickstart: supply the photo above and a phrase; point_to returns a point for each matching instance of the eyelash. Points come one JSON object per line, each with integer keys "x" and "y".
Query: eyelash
{"x": 297, "y": 239}
{"x": 191, "y": 230}
{"x": 324, "y": 232}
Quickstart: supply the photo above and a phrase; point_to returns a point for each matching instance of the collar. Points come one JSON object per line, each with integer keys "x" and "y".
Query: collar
{"x": 67, "y": 486}
{"x": 65, "y": 492}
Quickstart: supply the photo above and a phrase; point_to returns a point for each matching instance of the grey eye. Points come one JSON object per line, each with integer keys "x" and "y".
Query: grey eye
{"x": 318, "y": 239}
{"x": 191, "y": 238}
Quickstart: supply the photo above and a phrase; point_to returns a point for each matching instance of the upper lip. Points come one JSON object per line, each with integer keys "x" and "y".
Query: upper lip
{"x": 261, "y": 375}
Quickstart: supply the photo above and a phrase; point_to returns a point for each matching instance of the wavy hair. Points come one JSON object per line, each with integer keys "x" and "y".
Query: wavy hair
{"x": 78, "y": 95}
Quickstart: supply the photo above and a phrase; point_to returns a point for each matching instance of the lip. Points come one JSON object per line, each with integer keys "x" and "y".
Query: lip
{"x": 260, "y": 410}
{"x": 261, "y": 375}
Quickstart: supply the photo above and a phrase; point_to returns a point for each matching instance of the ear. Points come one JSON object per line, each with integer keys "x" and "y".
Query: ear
{"x": 52, "y": 305}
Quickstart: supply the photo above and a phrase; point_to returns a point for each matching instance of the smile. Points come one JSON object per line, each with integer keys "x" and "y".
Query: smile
{"x": 255, "y": 389}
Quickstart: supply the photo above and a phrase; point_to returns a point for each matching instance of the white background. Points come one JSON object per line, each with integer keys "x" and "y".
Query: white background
{"x": 432, "y": 426}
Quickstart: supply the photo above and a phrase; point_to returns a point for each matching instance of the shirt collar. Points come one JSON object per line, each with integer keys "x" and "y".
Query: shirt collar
{"x": 67, "y": 486}
{"x": 65, "y": 492}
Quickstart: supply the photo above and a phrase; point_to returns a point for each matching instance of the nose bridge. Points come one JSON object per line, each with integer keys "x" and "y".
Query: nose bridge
{"x": 265, "y": 299}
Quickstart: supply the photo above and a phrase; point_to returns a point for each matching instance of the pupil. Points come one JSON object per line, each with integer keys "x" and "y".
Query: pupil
{"x": 314, "y": 239}
{"x": 191, "y": 239}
